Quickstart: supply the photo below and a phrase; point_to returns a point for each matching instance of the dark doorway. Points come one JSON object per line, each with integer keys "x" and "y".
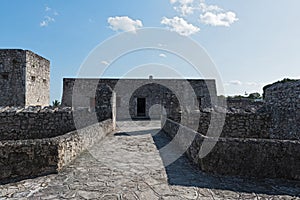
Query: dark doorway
{"x": 141, "y": 107}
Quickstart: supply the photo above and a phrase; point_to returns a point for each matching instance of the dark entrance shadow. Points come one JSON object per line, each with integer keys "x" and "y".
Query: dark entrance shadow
{"x": 183, "y": 173}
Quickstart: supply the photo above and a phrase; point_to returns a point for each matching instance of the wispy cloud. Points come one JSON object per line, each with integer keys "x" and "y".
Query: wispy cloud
{"x": 162, "y": 55}
{"x": 184, "y": 7}
{"x": 253, "y": 84}
{"x": 219, "y": 19}
{"x": 239, "y": 83}
{"x": 46, "y": 21}
{"x": 124, "y": 23}
{"x": 208, "y": 14}
{"x": 104, "y": 62}
{"x": 47, "y": 8}
{"x": 49, "y": 17}
{"x": 209, "y": 8}
{"x": 235, "y": 82}
{"x": 180, "y": 26}
{"x": 161, "y": 45}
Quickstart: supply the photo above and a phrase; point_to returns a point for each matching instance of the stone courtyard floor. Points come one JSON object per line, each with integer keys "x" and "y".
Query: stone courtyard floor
{"x": 127, "y": 165}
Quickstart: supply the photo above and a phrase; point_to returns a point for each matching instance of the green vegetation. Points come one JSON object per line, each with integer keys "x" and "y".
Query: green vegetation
{"x": 251, "y": 96}
{"x": 56, "y": 103}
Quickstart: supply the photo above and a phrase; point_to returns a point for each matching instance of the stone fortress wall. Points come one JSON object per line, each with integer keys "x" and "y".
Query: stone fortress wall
{"x": 239, "y": 125}
{"x": 283, "y": 103}
{"x": 263, "y": 144}
{"x": 21, "y": 159}
{"x": 251, "y": 157}
{"x": 12, "y": 77}
{"x": 37, "y": 82}
{"x": 37, "y": 123}
{"x": 34, "y": 141}
{"x": 155, "y": 91}
{"x": 24, "y": 78}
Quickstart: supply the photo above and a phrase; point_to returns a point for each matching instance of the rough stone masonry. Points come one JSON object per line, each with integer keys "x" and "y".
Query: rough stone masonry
{"x": 24, "y": 78}
{"x": 24, "y": 82}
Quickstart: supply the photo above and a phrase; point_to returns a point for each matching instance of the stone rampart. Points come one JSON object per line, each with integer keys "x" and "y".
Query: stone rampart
{"x": 283, "y": 103}
{"x": 37, "y": 123}
{"x": 236, "y": 125}
{"x": 260, "y": 158}
{"x": 21, "y": 159}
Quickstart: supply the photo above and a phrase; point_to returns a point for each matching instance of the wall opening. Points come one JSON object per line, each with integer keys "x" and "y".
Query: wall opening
{"x": 4, "y": 75}
{"x": 141, "y": 107}
{"x": 198, "y": 102}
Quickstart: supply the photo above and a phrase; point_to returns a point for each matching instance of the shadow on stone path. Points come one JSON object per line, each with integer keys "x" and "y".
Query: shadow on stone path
{"x": 183, "y": 173}
{"x": 127, "y": 165}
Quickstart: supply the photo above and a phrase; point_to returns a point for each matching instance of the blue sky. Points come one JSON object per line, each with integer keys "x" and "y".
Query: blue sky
{"x": 252, "y": 43}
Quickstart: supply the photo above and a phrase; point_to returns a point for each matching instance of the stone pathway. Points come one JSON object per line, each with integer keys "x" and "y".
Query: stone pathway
{"x": 127, "y": 165}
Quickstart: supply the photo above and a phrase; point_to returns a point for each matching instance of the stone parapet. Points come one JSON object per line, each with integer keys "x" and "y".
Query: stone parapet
{"x": 259, "y": 158}
{"x": 21, "y": 159}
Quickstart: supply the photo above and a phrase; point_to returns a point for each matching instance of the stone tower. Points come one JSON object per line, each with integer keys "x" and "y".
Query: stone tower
{"x": 24, "y": 78}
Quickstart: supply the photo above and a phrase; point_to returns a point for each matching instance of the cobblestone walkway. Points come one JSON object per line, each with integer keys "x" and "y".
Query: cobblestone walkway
{"x": 127, "y": 165}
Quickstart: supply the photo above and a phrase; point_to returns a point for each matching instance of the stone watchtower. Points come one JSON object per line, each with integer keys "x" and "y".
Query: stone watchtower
{"x": 24, "y": 78}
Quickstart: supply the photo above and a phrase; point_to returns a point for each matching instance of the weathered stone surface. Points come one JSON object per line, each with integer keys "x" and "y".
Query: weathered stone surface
{"x": 283, "y": 102}
{"x": 38, "y": 123}
{"x": 24, "y": 78}
{"x": 236, "y": 125}
{"x": 29, "y": 158}
{"x": 262, "y": 158}
{"x": 156, "y": 91}
{"x": 130, "y": 167}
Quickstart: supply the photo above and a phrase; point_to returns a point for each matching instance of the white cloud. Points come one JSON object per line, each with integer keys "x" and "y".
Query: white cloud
{"x": 182, "y": 1}
{"x": 47, "y": 8}
{"x": 209, "y": 14}
{"x": 49, "y": 18}
{"x": 253, "y": 84}
{"x": 104, "y": 62}
{"x": 219, "y": 19}
{"x": 162, "y": 55}
{"x": 46, "y": 21}
{"x": 209, "y": 8}
{"x": 235, "y": 82}
{"x": 161, "y": 45}
{"x": 180, "y": 26}
{"x": 124, "y": 23}
{"x": 43, "y": 23}
{"x": 184, "y": 7}
{"x": 187, "y": 7}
